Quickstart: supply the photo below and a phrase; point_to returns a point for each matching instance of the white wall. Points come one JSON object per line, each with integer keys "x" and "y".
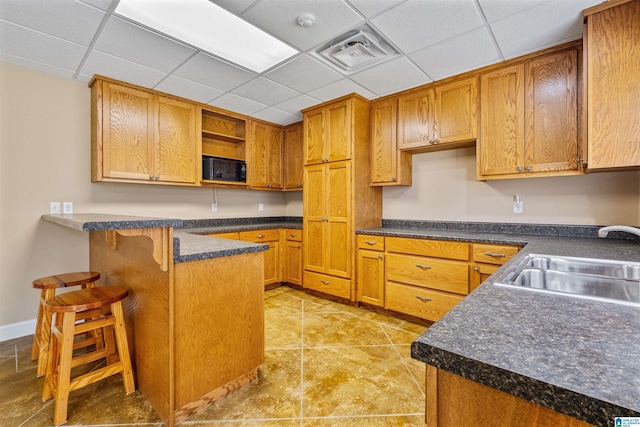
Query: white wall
{"x": 45, "y": 156}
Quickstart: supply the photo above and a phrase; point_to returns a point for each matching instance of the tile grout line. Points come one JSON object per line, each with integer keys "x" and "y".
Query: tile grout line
{"x": 403, "y": 362}
{"x": 302, "y": 365}
{"x": 15, "y": 355}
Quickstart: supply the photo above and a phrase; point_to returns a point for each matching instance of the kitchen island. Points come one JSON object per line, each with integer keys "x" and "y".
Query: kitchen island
{"x": 507, "y": 356}
{"x": 194, "y": 313}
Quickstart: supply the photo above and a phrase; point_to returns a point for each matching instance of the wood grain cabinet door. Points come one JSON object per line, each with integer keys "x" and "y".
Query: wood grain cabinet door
{"x": 337, "y": 141}
{"x": 293, "y": 262}
{"x": 314, "y": 218}
{"x": 314, "y": 137}
{"x": 175, "y": 150}
{"x": 264, "y": 160}
{"x": 415, "y": 119}
{"x": 551, "y": 133}
{"x": 370, "y": 288}
{"x": 456, "y": 104}
{"x": 612, "y": 44}
{"x": 501, "y": 145}
{"x": 128, "y": 133}
{"x": 337, "y": 218}
{"x": 293, "y": 160}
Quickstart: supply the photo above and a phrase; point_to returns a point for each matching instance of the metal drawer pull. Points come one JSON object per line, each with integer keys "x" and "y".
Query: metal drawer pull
{"x": 370, "y": 243}
{"x": 424, "y": 267}
{"x": 495, "y": 255}
{"x": 476, "y": 269}
{"x": 423, "y": 299}
{"x": 293, "y": 234}
{"x": 324, "y": 282}
{"x": 260, "y": 236}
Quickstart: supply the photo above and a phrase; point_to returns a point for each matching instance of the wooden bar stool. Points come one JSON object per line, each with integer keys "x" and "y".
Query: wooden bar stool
{"x": 48, "y": 286}
{"x": 105, "y": 300}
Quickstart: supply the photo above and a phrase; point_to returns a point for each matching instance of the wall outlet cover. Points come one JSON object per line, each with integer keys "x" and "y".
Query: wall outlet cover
{"x": 54, "y": 208}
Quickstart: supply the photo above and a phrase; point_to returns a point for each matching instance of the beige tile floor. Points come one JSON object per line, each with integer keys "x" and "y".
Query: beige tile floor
{"x": 326, "y": 364}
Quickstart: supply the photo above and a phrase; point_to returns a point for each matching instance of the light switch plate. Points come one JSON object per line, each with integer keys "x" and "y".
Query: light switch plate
{"x": 67, "y": 207}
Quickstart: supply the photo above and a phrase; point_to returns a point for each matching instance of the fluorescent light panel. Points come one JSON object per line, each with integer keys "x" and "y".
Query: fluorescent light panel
{"x": 209, "y": 27}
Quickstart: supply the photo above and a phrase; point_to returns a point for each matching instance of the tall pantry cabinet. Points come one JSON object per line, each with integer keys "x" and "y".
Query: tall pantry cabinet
{"x": 337, "y": 197}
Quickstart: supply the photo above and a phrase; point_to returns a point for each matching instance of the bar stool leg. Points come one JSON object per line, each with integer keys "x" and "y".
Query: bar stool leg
{"x": 64, "y": 370}
{"x": 43, "y": 333}
{"x": 123, "y": 348}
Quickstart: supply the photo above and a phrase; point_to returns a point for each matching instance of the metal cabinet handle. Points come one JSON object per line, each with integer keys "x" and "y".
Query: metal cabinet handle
{"x": 436, "y": 141}
{"x": 528, "y": 168}
{"x": 424, "y": 267}
{"x": 379, "y": 256}
{"x": 476, "y": 269}
{"x": 324, "y": 282}
{"x": 150, "y": 176}
{"x": 393, "y": 178}
{"x": 430, "y": 141}
{"x": 423, "y": 299}
{"x": 260, "y": 236}
{"x": 519, "y": 168}
{"x": 370, "y": 243}
{"x": 495, "y": 255}
{"x": 299, "y": 246}
{"x": 293, "y": 234}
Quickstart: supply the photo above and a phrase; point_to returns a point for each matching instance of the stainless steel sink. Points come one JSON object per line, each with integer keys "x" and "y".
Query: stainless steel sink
{"x": 605, "y": 280}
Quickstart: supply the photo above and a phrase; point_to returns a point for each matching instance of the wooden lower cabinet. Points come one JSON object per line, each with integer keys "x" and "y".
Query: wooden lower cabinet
{"x": 419, "y": 302}
{"x": 443, "y": 275}
{"x": 486, "y": 260}
{"x": 479, "y": 273}
{"x": 269, "y": 237}
{"x": 326, "y": 284}
{"x": 456, "y": 401}
{"x": 292, "y": 256}
{"x": 370, "y": 286}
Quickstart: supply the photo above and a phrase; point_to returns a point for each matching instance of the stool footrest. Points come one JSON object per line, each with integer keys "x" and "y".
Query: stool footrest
{"x": 83, "y": 359}
{"x": 93, "y": 376}
{"x": 91, "y": 325}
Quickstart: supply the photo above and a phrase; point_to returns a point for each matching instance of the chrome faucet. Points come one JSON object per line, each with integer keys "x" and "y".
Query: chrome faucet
{"x": 605, "y": 230}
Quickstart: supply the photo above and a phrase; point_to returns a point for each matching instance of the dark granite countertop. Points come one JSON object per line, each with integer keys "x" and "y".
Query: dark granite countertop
{"x": 192, "y": 247}
{"x": 209, "y": 226}
{"x": 98, "y": 222}
{"x": 576, "y": 356}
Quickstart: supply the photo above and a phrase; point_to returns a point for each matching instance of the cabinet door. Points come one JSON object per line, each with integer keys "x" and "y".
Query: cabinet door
{"x": 293, "y": 262}
{"x": 501, "y": 145}
{"x": 551, "y": 130}
{"x": 313, "y": 136}
{"x": 314, "y": 218}
{"x": 384, "y": 149}
{"x": 265, "y": 156}
{"x": 338, "y": 214}
{"x": 128, "y": 139}
{"x": 175, "y": 150}
{"x": 337, "y": 139}
{"x": 272, "y": 264}
{"x": 371, "y": 277}
{"x": 455, "y": 111}
{"x": 613, "y": 61}
{"x": 293, "y": 160}
{"x": 479, "y": 273}
{"x": 415, "y": 119}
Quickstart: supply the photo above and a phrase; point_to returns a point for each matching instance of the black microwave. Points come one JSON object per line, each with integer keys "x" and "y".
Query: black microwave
{"x": 218, "y": 169}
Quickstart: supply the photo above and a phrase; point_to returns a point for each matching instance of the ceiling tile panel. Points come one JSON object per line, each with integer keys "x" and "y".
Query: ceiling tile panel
{"x": 296, "y": 74}
{"x": 419, "y": 23}
{"x": 341, "y": 88}
{"x": 28, "y": 44}
{"x": 265, "y": 91}
{"x": 391, "y": 76}
{"x": 498, "y": 9}
{"x": 546, "y": 25}
{"x": 35, "y": 65}
{"x": 120, "y": 69}
{"x": 295, "y": 105}
{"x": 469, "y": 51}
{"x": 279, "y": 17}
{"x": 100, "y": 4}
{"x": 188, "y": 89}
{"x": 66, "y": 19}
{"x": 371, "y": 8}
{"x": 238, "y": 104}
{"x": 237, "y": 6}
{"x": 213, "y": 72}
{"x": 136, "y": 44}
{"x": 280, "y": 117}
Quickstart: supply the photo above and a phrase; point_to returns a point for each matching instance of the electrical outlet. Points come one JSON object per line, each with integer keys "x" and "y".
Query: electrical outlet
{"x": 54, "y": 208}
{"x": 214, "y": 207}
{"x": 261, "y": 207}
{"x": 67, "y": 207}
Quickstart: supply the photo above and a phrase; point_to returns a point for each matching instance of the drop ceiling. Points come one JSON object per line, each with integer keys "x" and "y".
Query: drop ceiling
{"x": 434, "y": 39}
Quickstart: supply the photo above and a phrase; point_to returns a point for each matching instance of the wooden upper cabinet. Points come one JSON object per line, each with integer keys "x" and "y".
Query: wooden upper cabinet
{"x": 141, "y": 136}
{"x": 293, "y": 161}
{"x": 439, "y": 116}
{"x": 328, "y": 133}
{"x": 389, "y": 166}
{"x": 529, "y": 118}
{"x": 264, "y": 157}
{"x": 612, "y": 57}
{"x": 415, "y": 119}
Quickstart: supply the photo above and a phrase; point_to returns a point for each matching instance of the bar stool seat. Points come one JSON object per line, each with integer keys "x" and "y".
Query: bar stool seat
{"x": 48, "y": 286}
{"x": 105, "y": 300}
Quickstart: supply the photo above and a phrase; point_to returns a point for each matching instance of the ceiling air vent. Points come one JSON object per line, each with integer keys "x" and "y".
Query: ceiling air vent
{"x": 356, "y": 50}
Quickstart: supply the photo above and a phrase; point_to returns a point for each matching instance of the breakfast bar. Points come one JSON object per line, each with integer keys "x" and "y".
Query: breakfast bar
{"x": 195, "y": 309}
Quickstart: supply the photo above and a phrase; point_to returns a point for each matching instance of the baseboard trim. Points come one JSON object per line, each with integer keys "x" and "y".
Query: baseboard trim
{"x": 17, "y": 330}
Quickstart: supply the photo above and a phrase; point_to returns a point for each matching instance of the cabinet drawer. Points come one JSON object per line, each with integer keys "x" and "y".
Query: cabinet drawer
{"x": 419, "y": 302}
{"x": 233, "y": 235}
{"x": 449, "y": 276}
{"x": 431, "y": 248}
{"x": 373, "y": 243}
{"x": 327, "y": 284}
{"x": 493, "y": 254}
{"x": 293, "y": 234}
{"x": 260, "y": 235}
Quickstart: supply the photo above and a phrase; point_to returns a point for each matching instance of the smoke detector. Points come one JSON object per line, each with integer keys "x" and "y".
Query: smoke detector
{"x": 356, "y": 50}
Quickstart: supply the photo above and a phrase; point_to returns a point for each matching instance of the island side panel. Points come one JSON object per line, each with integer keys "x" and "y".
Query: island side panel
{"x": 219, "y": 324}
{"x": 129, "y": 261}
{"x": 456, "y": 401}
